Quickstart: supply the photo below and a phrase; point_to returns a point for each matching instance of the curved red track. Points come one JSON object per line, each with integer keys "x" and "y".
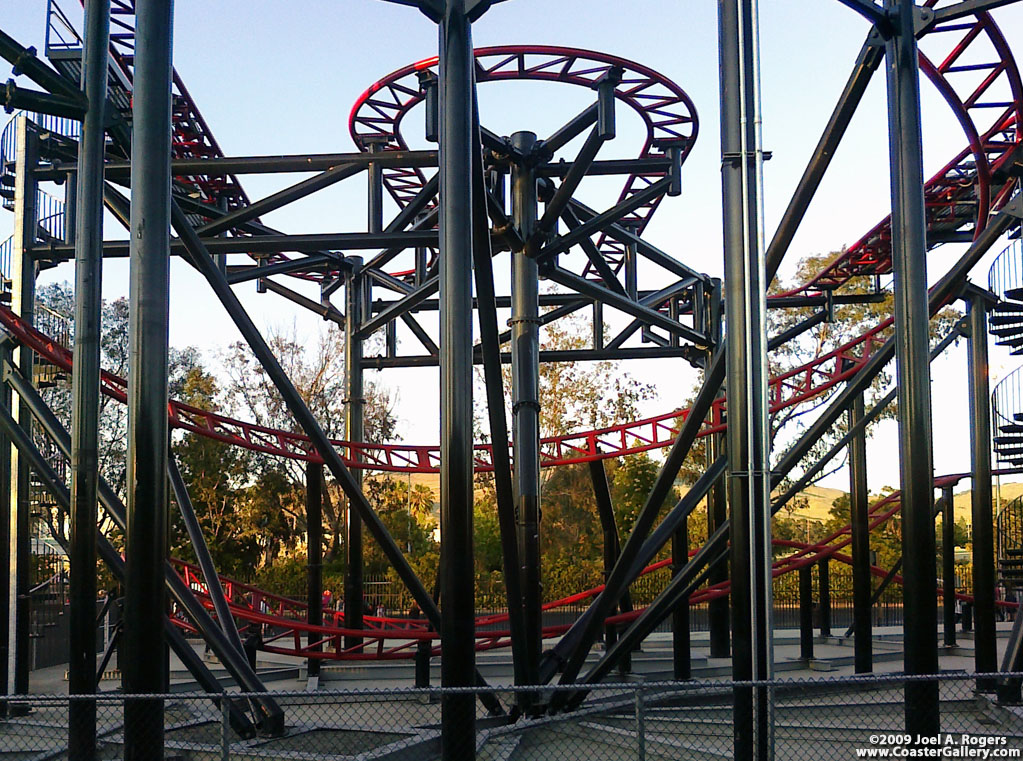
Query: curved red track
{"x": 949, "y": 207}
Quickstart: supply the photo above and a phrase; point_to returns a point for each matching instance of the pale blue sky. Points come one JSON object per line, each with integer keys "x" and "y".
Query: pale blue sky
{"x": 277, "y": 77}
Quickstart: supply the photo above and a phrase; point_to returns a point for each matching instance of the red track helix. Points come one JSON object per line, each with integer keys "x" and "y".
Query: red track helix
{"x": 977, "y": 76}
{"x": 664, "y": 107}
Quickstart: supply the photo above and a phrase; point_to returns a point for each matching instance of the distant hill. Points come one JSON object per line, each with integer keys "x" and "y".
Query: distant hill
{"x": 819, "y": 498}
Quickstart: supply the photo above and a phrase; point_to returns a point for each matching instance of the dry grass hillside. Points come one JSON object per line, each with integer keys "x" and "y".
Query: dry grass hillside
{"x": 819, "y": 498}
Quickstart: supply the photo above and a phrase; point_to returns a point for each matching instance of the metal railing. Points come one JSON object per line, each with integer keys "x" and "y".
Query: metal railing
{"x": 1006, "y": 270}
{"x": 59, "y": 125}
{"x": 1007, "y": 401}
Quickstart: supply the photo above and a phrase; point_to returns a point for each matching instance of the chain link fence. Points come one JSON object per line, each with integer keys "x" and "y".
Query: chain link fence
{"x": 840, "y": 718}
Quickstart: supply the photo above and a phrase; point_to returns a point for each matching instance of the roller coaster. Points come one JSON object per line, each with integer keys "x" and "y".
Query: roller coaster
{"x": 426, "y": 259}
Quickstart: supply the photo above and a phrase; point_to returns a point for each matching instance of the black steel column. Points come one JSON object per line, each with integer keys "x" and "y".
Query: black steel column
{"x": 146, "y": 545}
{"x": 948, "y": 567}
{"x": 354, "y": 431}
{"x": 824, "y": 592}
{"x": 806, "y": 612}
{"x": 860, "y": 522}
{"x": 985, "y": 651}
{"x": 6, "y": 490}
{"x": 85, "y": 385}
{"x": 909, "y": 263}
{"x": 458, "y": 712}
{"x": 23, "y": 288}
{"x": 682, "y": 667}
{"x": 748, "y": 474}
{"x": 314, "y": 558}
{"x": 717, "y": 515}
{"x": 525, "y": 375}
{"x": 609, "y": 530}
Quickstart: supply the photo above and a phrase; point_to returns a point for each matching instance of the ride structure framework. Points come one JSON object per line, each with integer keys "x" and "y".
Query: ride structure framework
{"x": 113, "y": 116}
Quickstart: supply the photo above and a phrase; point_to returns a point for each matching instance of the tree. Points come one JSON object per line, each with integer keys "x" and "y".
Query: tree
{"x": 406, "y": 510}
{"x": 216, "y": 476}
{"x": 319, "y": 376}
{"x": 55, "y": 316}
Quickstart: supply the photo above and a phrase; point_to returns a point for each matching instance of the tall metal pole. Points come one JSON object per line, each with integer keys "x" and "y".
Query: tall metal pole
{"x": 458, "y": 714}
{"x": 525, "y": 372}
{"x": 314, "y": 556}
{"x": 824, "y": 593}
{"x": 23, "y": 286}
{"x": 682, "y": 667}
{"x": 806, "y": 612}
{"x": 717, "y": 504}
{"x": 145, "y": 600}
{"x": 985, "y": 651}
{"x": 717, "y": 515}
{"x": 354, "y": 432}
{"x": 748, "y": 474}
{"x": 859, "y": 519}
{"x": 909, "y": 246}
{"x": 6, "y": 490}
{"x": 948, "y": 567}
{"x": 85, "y": 384}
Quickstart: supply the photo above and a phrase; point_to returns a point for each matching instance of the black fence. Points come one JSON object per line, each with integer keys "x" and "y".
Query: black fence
{"x": 833, "y": 604}
{"x": 840, "y": 718}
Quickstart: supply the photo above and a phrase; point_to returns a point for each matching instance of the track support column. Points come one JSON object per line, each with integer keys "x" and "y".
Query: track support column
{"x": 525, "y": 373}
{"x": 717, "y": 514}
{"x": 859, "y": 519}
{"x": 748, "y": 474}
{"x": 314, "y": 558}
{"x": 146, "y": 534}
{"x": 913, "y": 376}
{"x": 948, "y": 567}
{"x": 23, "y": 288}
{"x": 824, "y": 592}
{"x": 355, "y": 410}
{"x": 85, "y": 379}
{"x": 458, "y": 604}
{"x": 682, "y": 666}
{"x": 806, "y": 612}
{"x": 985, "y": 650}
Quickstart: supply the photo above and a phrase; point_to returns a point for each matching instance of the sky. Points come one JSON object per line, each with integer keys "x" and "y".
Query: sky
{"x": 273, "y": 78}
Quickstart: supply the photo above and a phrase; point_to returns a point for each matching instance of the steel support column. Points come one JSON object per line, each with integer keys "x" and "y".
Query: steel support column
{"x": 458, "y": 713}
{"x": 23, "y": 284}
{"x": 525, "y": 374}
{"x": 860, "y": 522}
{"x": 682, "y": 667}
{"x": 985, "y": 651}
{"x": 948, "y": 567}
{"x": 6, "y": 490}
{"x": 824, "y": 592}
{"x": 85, "y": 385}
{"x": 748, "y": 474}
{"x": 355, "y": 408}
{"x": 717, "y": 515}
{"x": 611, "y": 545}
{"x": 314, "y": 559}
{"x": 146, "y": 534}
{"x": 806, "y": 612}
{"x": 909, "y": 246}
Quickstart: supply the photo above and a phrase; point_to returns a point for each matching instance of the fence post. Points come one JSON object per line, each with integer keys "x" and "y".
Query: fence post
{"x": 640, "y": 729}
{"x": 225, "y": 728}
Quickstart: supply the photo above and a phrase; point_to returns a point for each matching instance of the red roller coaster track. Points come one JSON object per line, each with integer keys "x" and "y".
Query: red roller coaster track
{"x": 966, "y": 190}
{"x": 666, "y": 111}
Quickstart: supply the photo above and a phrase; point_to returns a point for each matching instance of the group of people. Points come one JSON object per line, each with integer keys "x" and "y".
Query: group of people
{"x": 371, "y": 608}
